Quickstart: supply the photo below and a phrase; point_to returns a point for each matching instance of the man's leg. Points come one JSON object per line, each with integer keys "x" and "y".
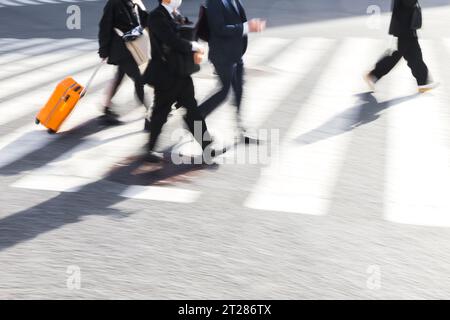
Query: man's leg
{"x": 111, "y": 117}
{"x": 225, "y": 73}
{"x": 115, "y": 84}
{"x": 237, "y": 84}
{"x": 412, "y": 53}
{"x": 194, "y": 120}
{"x": 386, "y": 64}
{"x": 131, "y": 69}
{"x": 162, "y": 106}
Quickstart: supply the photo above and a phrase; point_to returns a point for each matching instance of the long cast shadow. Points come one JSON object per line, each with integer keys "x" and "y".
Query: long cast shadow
{"x": 63, "y": 143}
{"x": 366, "y": 112}
{"x": 67, "y": 208}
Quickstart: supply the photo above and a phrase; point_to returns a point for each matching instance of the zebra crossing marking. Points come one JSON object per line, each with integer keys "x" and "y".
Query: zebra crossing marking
{"x": 50, "y": 47}
{"x": 418, "y": 155}
{"x": 156, "y": 193}
{"x": 309, "y": 160}
{"x": 6, "y": 3}
{"x": 302, "y": 178}
{"x": 82, "y": 161}
{"x": 289, "y": 68}
{"x": 22, "y": 141}
{"x": 19, "y": 44}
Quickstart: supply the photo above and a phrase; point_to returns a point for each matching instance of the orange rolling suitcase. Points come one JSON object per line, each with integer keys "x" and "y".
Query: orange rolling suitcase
{"x": 62, "y": 102}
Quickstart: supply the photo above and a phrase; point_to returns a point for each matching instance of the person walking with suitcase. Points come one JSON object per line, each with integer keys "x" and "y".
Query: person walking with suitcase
{"x": 121, "y": 15}
{"x": 406, "y": 20}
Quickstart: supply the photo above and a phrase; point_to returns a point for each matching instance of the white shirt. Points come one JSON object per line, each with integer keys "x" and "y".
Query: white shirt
{"x": 169, "y": 9}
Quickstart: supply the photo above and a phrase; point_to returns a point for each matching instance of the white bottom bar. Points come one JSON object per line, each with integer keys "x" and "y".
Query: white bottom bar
{"x": 161, "y": 194}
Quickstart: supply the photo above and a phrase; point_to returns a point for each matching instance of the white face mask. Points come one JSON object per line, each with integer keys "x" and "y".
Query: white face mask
{"x": 175, "y": 4}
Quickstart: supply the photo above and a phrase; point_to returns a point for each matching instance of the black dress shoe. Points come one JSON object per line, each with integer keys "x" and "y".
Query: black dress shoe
{"x": 147, "y": 125}
{"x": 209, "y": 154}
{"x": 110, "y": 117}
{"x": 251, "y": 140}
{"x": 153, "y": 157}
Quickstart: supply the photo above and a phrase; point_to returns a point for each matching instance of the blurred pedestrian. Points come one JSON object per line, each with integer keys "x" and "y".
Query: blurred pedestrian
{"x": 406, "y": 20}
{"x": 228, "y": 39}
{"x": 167, "y": 74}
{"x": 121, "y": 15}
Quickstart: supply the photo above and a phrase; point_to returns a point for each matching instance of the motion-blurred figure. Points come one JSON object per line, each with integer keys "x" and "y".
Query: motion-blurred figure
{"x": 165, "y": 75}
{"x": 120, "y": 14}
{"x": 406, "y": 20}
{"x": 228, "y": 38}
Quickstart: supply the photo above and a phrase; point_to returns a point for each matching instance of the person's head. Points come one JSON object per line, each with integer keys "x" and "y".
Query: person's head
{"x": 174, "y": 4}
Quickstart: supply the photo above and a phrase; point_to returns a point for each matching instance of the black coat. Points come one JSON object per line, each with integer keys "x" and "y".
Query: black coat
{"x": 166, "y": 42}
{"x": 226, "y": 41}
{"x": 402, "y": 13}
{"x": 117, "y": 14}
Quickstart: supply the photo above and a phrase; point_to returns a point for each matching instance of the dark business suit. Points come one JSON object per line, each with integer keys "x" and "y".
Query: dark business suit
{"x": 121, "y": 15}
{"x": 408, "y": 44}
{"x": 169, "y": 87}
{"x": 227, "y": 45}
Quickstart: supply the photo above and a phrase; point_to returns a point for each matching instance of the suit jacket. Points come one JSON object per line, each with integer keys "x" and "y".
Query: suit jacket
{"x": 165, "y": 42}
{"x": 402, "y": 13}
{"x": 226, "y": 41}
{"x": 117, "y": 14}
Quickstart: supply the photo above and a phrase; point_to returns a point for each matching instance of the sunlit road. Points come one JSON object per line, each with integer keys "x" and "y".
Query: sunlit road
{"x": 352, "y": 204}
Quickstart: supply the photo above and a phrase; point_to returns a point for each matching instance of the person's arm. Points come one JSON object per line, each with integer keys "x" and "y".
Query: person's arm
{"x": 162, "y": 29}
{"x": 216, "y": 21}
{"x": 106, "y": 28}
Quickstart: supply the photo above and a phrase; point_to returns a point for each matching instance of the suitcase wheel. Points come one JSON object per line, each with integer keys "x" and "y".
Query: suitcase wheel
{"x": 50, "y": 131}
{"x": 37, "y": 121}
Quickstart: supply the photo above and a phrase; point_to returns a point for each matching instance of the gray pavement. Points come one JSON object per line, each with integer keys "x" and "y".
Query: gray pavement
{"x": 207, "y": 241}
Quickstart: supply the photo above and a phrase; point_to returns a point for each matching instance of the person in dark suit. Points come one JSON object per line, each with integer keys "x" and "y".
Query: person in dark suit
{"x": 169, "y": 86}
{"x": 228, "y": 30}
{"x": 408, "y": 48}
{"x": 120, "y": 14}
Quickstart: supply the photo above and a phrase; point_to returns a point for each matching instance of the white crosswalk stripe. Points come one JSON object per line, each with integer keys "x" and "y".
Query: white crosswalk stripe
{"x": 302, "y": 179}
{"x": 6, "y": 3}
{"x": 222, "y": 121}
{"x": 17, "y": 44}
{"x": 303, "y": 175}
{"x": 418, "y": 155}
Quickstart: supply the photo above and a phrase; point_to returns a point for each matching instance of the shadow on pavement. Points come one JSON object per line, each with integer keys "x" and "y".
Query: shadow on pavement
{"x": 366, "y": 112}
{"x": 67, "y": 208}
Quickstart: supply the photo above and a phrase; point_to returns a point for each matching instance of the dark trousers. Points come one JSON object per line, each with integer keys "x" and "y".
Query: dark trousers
{"x": 130, "y": 68}
{"x": 182, "y": 92}
{"x": 231, "y": 75}
{"x": 408, "y": 48}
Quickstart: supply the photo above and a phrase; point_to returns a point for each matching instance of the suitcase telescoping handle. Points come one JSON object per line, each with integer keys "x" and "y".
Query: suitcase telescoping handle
{"x": 97, "y": 69}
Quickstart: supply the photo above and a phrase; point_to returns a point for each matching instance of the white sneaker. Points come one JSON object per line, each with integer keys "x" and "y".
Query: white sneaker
{"x": 428, "y": 87}
{"x": 370, "y": 80}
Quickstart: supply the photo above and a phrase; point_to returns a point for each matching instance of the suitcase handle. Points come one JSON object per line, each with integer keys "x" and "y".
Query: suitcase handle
{"x": 83, "y": 93}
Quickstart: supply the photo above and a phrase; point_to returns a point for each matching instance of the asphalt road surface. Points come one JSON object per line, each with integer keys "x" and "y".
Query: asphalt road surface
{"x": 347, "y": 197}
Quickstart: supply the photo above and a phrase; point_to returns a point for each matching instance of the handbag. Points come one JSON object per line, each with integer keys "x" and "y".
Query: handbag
{"x": 137, "y": 41}
{"x": 416, "y": 20}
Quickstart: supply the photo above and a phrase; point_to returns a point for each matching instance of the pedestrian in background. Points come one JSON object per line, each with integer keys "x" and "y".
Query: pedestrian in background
{"x": 406, "y": 20}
